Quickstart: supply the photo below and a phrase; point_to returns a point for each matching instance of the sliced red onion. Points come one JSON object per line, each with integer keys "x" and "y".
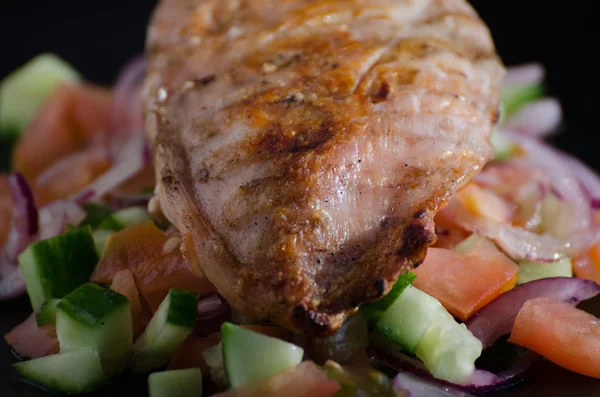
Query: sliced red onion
{"x": 516, "y": 242}
{"x": 210, "y": 307}
{"x": 497, "y": 318}
{"x": 55, "y": 217}
{"x": 530, "y": 73}
{"x": 589, "y": 178}
{"x": 213, "y": 311}
{"x": 481, "y": 381}
{"x": 536, "y": 119}
{"x": 415, "y": 386}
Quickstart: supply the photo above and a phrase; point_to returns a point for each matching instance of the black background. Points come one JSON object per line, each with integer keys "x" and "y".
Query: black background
{"x": 98, "y": 37}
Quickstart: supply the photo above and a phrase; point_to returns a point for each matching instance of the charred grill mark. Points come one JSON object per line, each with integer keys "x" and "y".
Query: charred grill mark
{"x": 383, "y": 93}
{"x": 416, "y": 237}
{"x": 380, "y": 287}
{"x": 388, "y": 223}
{"x": 283, "y": 139}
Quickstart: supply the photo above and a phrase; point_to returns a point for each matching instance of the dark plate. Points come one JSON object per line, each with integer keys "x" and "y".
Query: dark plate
{"x": 98, "y": 38}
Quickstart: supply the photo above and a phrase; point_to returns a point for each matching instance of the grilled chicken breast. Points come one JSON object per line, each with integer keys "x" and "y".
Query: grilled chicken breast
{"x": 302, "y": 147}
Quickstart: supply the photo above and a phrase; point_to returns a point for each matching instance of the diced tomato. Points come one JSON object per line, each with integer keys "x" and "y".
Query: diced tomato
{"x": 485, "y": 203}
{"x": 466, "y": 283}
{"x": 155, "y": 265}
{"x": 189, "y": 354}
{"x": 30, "y": 341}
{"x": 448, "y": 233}
{"x": 565, "y": 335}
{"x": 74, "y": 118}
{"x": 270, "y": 330}
{"x": 124, "y": 284}
{"x": 587, "y": 265}
{"x": 305, "y": 380}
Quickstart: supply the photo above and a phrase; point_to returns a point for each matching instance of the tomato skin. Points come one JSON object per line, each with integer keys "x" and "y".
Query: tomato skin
{"x": 587, "y": 265}
{"x": 124, "y": 283}
{"x": 141, "y": 249}
{"x": 466, "y": 283}
{"x": 565, "y": 335}
{"x": 304, "y": 380}
{"x": 30, "y": 341}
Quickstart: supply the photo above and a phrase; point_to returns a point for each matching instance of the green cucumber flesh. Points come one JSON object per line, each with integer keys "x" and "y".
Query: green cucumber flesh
{"x": 449, "y": 350}
{"x": 407, "y": 320}
{"x": 125, "y": 218}
{"x": 373, "y": 311}
{"x": 250, "y": 357}
{"x": 24, "y": 91}
{"x": 530, "y": 271}
{"x": 468, "y": 244}
{"x": 178, "y": 383}
{"x": 54, "y": 267}
{"x": 100, "y": 318}
{"x": 168, "y": 328}
{"x": 100, "y": 236}
{"x": 213, "y": 356}
{"x": 74, "y": 372}
{"x": 47, "y": 313}
{"x": 515, "y": 97}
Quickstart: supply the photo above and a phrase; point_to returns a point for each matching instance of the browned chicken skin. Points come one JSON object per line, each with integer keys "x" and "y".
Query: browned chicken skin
{"x": 303, "y": 147}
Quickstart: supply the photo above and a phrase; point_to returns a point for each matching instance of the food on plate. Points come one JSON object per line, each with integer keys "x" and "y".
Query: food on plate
{"x": 297, "y": 199}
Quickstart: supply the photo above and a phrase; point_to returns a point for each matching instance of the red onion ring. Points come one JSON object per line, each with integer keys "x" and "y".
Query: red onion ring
{"x": 213, "y": 311}
{"x": 498, "y": 317}
{"x": 55, "y": 217}
{"x": 530, "y": 73}
{"x": 537, "y": 119}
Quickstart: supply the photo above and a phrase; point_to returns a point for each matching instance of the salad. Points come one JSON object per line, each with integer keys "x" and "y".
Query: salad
{"x": 517, "y": 249}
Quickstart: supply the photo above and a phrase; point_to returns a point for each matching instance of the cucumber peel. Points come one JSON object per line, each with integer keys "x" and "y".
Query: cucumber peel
{"x": 373, "y": 311}
{"x": 177, "y": 383}
{"x": 54, "y": 267}
{"x": 514, "y": 97}
{"x": 250, "y": 357}
{"x": 95, "y": 214}
{"x": 100, "y": 318}
{"x": 74, "y": 372}
{"x": 25, "y": 90}
{"x": 168, "y": 328}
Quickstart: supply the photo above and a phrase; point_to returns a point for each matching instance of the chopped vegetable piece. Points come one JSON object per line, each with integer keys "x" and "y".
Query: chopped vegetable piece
{"x": 54, "y": 267}
{"x": 24, "y": 91}
{"x": 47, "y": 313}
{"x": 95, "y": 214}
{"x": 466, "y": 283}
{"x": 587, "y": 265}
{"x": 169, "y": 327}
{"x": 124, "y": 284}
{"x": 485, "y": 203}
{"x": 304, "y": 380}
{"x": 529, "y": 271}
{"x": 243, "y": 349}
{"x": 155, "y": 261}
{"x": 124, "y": 218}
{"x": 213, "y": 357}
{"x": 270, "y": 330}
{"x": 74, "y": 119}
{"x": 560, "y": 332}
{"x": 98, "y": 318}
{"x": 100, "y": 237}
{"x": 180, "y": 383}
{"x": 74, "y": 372}
{"x": 503, "y": 147}
{"x": 373, "y": 311}
{"x": 30, "y": 341}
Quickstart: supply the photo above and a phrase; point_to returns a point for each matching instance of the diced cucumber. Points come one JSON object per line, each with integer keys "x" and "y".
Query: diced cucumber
{"x": 213, "y": 356}
{"x": 95, "y": 214}
{"x": 47, "y": 313}
{"x": 178, "y": 383}
{"x": 249, "y": 356}
{"x": 54, "y": 267}
{"x": 24, "y": 91}
{"x": 373, "y": 311}
{"x": 168, "y": 328}
{"x": 409, "y": 317}
{"x": 100, "y": 318}
{"x": 74, "y": 372}
{"x": 503, "y": 147}
{"x": 100, "y": 236}
{"x": 529, "y": 271}
{"x": 468, "y": 244}
{"x": 124, "y": 218}
{"x": 449, "y": 350}
{"x": 514, "y": 97}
